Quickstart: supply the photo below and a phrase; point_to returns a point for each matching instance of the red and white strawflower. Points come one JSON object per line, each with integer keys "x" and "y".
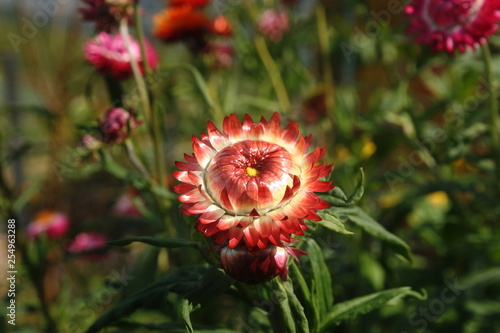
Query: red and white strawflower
{"x": 450, "y": 25}
{"x": 252, "y": 183}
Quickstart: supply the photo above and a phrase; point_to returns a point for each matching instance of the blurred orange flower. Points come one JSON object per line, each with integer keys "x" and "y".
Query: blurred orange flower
{"x": 181, "y": 23}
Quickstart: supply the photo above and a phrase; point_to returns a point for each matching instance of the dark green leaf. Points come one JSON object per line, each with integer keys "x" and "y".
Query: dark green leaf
{"x": 368, "y": 224}
{"x": 186, "y": 309}
{"x": 282, "y": 297}
{"x": 358, "y": 192}
{"x": 214, "y": 282}
{"x": 332, "y": 222}
{"x": 297, "y": 308}
{"x": 322, "y": 287}
{"x": 361, "y": 305}
{"x": 155, "y": 241}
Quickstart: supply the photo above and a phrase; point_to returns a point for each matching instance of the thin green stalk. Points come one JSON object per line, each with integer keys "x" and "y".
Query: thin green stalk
{"x": 274, "y": 74}
{"x": 140, "y": 37}
{"x": 151, "y": 114}
{"x": 322, "y": 26}
{"x": 135, "y": 160}
{"x": 495, "y": 139}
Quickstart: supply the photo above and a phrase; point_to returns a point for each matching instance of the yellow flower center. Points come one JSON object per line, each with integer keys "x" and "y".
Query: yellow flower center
{"x": 252, "y": 172}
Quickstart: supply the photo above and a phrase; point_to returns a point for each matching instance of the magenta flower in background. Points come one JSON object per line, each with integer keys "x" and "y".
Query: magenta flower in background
{"x": 117, "y": 125}
{"x": 107, "y": 13}
{"x": 125, "y": 206}
{"x": 450, "y": 25}
{"x": 52, "y": 223}
{"x": 89, "y": 243}
{"x": 257, "y": 266}
{"x": 107, "y": 52}
{"x": 273, "y": 24}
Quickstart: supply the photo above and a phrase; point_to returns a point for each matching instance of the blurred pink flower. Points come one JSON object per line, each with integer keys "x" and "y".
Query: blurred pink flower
{"x": 117, "y": 125}
{"x": 107, "y": 52}
{"x": 450, "y": 25}
{"x": 89, "y": 243}
{"x": 221, "y": 54}
{"x": 107, "y": 13}
{"x": 273, "y": 24}
{"x": 125, "y": 206}
{"x": 257, "y": 266}
{"x": 52, "y": 223}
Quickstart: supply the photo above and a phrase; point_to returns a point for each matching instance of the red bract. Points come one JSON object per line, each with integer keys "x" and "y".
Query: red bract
{"x": 257, "y": 266}
{"x": 53, "y": 224}
{"x": 252, "y": 183}
{"x": 107, "y": 13}
{"x": 108, "y": 53}
{"x": 450, "y": 25}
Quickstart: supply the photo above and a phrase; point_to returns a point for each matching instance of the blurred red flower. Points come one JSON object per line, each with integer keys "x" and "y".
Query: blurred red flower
{"x": 450, "y": 25}
{"x": 273, "y": 24}
{"x": 88, "y": 243}
{"x": 52, "y": 223}
{"x": 107, "y": 13}
{"x": 117, "y": 125}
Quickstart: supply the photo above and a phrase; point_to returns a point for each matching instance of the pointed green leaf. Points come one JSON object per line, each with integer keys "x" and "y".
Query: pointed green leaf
{"x": 282, "y": 296}
{"x": 332, "y": 222}
{"x": 155, "y": 241}
{"x": 361, "y": 305}
{"x": 297, "y": 308}
{"x": 322, "y": 288}
{"x": 185, "y": 312}
{"x": 368, "y": 224}
{"x": 358, "y": 192}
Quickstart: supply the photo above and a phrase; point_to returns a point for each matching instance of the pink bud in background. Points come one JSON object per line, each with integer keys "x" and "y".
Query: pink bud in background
{"x": 125, "y": 206}
{"x": 109, "y": 55}
{"x": 273, "y": 24}
{"x": 106, "y": 14}
{"x": 86, "y": 242}
{"x": 116, "y": 125}
{"x": 52, "y": 223}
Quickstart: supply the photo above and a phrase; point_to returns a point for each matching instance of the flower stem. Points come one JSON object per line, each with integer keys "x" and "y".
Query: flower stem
{"x": 151, "y": 114}
{"x": 274, "y": 73}
{"x": 322, "y": 26}
{"x": 495, "y": 139}
{"x": 135, "y": 160}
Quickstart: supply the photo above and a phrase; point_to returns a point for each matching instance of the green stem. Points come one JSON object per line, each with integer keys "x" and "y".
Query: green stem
{"x": 140, "y": 37}
{"x": 274, "y": 73}
{"x": 322, "y": 26}
{"x": 135, "y": 160}
{"x": 495, "y": 139}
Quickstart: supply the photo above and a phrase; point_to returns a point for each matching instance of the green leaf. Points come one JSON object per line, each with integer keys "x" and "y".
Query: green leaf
{"x": 170, "y": 243}
{"x": 26, "y": 196}
{"x": 181, "y": 281}
{"x": 337, "y": 198}
{"x": 368, "y": 224}
{"x": 361, "y": 305}
{"x": 282, "y": 297}
{"x": 359, "y": 190}
{"x": 322, "y": 288}
{"x": 214, "y": 282}
{"x": 332, "y": 222}
{"x": 186, "y": 309}
{"x": 297, "y": 308}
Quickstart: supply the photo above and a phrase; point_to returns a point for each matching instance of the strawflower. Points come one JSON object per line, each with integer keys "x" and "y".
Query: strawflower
{"x": 257, "y": 266}
{"x": 450, "y": 25}
{"x": 108, "y": 53}
{"x": 107, "y": 13}
{"x": 252, "y": 183}
{"x": 52, "y": 223}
